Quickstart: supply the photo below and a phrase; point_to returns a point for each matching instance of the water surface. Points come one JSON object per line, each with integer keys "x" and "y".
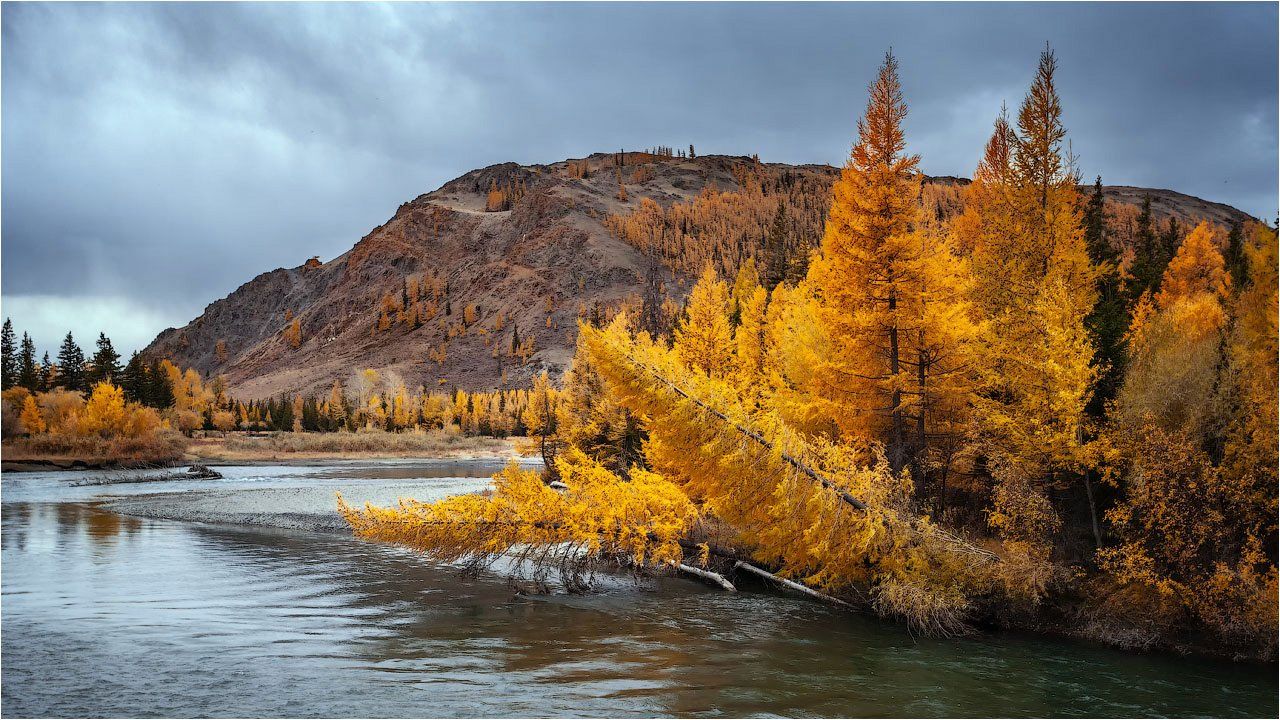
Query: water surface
{"x": 105, "y": 615}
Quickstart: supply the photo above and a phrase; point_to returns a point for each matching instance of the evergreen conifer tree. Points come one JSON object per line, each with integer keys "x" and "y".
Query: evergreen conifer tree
{"x": 28, "y": 375}
{"x": 46, "y": 374}
{"x": 8, "y": 356}
{"x": 1148, "y": 258}
{"x": 1235, "y": 257}
{"x": 1110, "y": 318}
{"x": 71, "y": 365}
{"x": 106, "y": 362}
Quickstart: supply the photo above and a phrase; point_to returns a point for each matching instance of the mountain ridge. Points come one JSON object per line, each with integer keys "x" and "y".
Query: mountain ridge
{"x": 529, "y": 269}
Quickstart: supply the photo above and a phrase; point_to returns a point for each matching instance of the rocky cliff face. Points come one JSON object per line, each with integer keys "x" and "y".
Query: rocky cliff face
{"x": 533, "y": 269}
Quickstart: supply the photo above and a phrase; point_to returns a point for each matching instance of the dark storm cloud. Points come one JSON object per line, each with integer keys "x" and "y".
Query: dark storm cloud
{"x": 157, "y": 156}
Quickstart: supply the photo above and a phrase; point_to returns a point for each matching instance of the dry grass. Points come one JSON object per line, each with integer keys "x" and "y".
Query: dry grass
{"x": 432, "y": 443}
{"x": 162, "y": 448}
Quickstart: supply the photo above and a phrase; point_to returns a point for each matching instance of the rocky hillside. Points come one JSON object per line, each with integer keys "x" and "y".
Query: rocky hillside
{"x": 503, "y": 252}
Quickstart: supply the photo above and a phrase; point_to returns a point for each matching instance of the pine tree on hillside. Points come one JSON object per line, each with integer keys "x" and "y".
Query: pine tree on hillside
{"x": 28, "y": 374}
{"x": 71, "y": 373}
{"x": 8, "y": 356}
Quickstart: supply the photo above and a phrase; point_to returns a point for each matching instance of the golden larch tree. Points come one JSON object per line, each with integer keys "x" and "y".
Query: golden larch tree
{"x": 703, "y": 339}
{"x": 1033, "y": 285}
{"x": 891, "y": 296}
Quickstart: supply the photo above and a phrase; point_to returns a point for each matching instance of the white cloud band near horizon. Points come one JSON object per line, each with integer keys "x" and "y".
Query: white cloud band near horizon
{"x": 131, "y": 325}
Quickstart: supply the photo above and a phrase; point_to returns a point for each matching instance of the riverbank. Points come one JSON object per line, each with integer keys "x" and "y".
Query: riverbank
{"x": 42, "y": 453}
{"x": 317, "y": 448}
{"x": 67, "y": 452}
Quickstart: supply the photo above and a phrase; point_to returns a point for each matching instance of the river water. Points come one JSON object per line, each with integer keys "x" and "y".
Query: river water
{"x": 106, "y": 615}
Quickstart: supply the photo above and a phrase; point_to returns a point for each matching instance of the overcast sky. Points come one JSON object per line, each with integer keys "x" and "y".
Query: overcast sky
{"x": 156, "y": 156}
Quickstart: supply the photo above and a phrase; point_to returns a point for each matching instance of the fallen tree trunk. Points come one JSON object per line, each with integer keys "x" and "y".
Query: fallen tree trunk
{"x": 740, "y": 565}
{"x": 711, "y": 577}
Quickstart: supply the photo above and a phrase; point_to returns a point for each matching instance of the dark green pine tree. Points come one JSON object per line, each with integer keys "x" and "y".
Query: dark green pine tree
{"x": 1109, "y": 319}
{"x": 1171, "y": 239}
{"x": 71, "y": 365}
{"x": 1149, "y": 259}
{"x": 776, "y": 250}
{"x": 284, "y": 414}
{"x": 311, "y": 421}
{"x": 46, "y": 374}
{"x": 8, "y": 356}
{"x": 28, "y": 373}
{"x": 1095, "y": 220}
{"x": 1236, "y": 263}
{"x": 132, "y": 377}
{"x": 515, "y": 338}
{"x": 159, "y": 390}
{"x": 106, "y": 362}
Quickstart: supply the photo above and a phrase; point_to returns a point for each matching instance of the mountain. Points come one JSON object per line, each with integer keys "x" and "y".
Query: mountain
{"x": 522, "y": 249}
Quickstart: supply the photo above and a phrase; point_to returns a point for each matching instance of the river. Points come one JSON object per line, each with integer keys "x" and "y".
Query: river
{"x": 108, "y": 615}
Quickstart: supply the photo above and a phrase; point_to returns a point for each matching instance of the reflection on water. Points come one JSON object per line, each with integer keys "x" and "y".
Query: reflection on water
{"x": 106, "y": 615}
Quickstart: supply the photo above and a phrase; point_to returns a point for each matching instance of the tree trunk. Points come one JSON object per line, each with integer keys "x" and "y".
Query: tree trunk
{"x": 1093, "y": 511}
{"x": 896, "y": 451}
{"x": 789, "y": 583}
{"x": 711, "y": 577}
{"x": 918, "y": 456}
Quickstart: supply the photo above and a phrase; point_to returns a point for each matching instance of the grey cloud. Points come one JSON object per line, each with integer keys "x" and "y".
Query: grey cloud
{"x": 161, "y": 154}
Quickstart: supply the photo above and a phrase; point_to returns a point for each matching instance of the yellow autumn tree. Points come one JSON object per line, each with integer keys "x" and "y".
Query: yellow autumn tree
{"x": 1033, "y": 286}
{"x": 293, "y": 334}
{"x": 540, "y": 416}
{"x": 400, "y": 409}
{"x": 703, "y": 338}
{"x": 1250, "y": 449}
{"x": 104, "y": 412}
{"x": 1197, "y": 267}
{"x": 1175, "y": 340}
{"x": 596, "y": 517}
{"x": 376, "y": 413}
{"x": 31, "y": 419}
{"x": 752, "y": 344}
{"x": 890, "y": 296}
{"x": 815, "y": 509}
